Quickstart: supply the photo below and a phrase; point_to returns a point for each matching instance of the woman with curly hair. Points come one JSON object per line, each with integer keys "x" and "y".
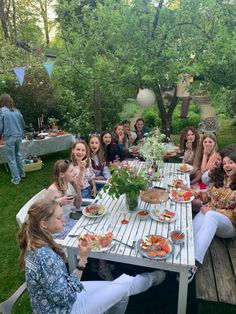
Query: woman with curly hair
{"x": 218, "y": 212}
{"x": 51, "y": 288}
{"x": 189, "y": 141}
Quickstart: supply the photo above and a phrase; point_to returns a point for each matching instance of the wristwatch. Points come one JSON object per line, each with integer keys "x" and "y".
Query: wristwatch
{"x": 80, "y": 268}
{"x": 213, "y": 208}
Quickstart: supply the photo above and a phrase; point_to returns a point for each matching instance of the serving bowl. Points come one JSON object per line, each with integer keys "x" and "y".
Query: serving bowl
{"x": 143, "y": 214}
{"x": 177, "y": 236}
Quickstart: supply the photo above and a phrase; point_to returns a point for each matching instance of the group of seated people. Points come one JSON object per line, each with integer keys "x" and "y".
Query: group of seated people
{"x": 50, "y": 286}
{"x": 213, "y": 180}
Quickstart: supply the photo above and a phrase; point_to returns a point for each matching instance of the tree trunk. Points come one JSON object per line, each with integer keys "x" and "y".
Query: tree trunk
{"x": 97, "y": 109}
{"x": 3, "y": 20}
{"x": 14, "y": 20}
{"x": 165, "y": 114}
{"x": 44, "y": 14}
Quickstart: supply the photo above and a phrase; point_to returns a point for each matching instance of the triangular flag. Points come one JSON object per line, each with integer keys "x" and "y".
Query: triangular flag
{"x": 49, "y": 67}
{"x": 20, "y": 73}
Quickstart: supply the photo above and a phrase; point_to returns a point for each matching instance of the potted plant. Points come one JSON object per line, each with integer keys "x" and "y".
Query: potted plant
{"x": 128, "y": 180}
{"x": 53, "y": 124}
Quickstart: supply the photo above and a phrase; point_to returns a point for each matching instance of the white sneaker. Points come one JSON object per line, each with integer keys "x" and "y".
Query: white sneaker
{"x": 157, "y": 277}
{"x": 15, "y": 182}
{"x": 191, "y": 274}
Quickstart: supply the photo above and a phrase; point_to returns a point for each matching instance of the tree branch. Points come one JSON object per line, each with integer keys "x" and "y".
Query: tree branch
{"x": 156, "y": 19}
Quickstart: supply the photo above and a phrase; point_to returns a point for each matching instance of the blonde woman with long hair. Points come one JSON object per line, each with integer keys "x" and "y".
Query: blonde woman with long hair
{"x": 51, "y": 288}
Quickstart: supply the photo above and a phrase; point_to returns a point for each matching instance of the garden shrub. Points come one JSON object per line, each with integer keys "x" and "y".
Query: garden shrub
{"x": 129, "y": 109}
{"x": 151, "y": 117}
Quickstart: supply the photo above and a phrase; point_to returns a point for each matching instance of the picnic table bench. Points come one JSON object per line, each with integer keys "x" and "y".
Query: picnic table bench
{"x": 216, "y": 278}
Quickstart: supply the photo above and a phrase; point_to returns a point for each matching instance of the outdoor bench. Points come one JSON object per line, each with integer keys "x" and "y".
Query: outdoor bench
{"x": 216, "y": 278}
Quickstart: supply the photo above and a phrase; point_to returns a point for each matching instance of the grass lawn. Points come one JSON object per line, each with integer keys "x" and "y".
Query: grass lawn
{"x": 161, "y": 299}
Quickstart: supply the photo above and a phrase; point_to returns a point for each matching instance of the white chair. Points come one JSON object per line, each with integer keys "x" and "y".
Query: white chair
{"x": 20, "y": 217}
{"x": 7, "y": 306}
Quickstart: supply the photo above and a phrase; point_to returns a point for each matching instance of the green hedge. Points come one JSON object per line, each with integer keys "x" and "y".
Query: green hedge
{"x": 152, "y": 119}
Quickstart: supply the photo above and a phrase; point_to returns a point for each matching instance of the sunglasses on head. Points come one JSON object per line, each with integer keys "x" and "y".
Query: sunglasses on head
{"x": 67, "y": 161}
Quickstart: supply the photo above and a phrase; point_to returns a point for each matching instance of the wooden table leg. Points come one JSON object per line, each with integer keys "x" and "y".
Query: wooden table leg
{"x": 183, "y": 291}
{"x": 72, "y": 259}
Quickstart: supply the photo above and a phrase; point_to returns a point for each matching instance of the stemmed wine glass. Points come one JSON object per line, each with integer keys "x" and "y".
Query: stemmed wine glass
{"x": 124, "y": 211}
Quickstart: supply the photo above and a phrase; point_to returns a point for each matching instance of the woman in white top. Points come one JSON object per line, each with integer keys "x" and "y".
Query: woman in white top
{"x": 85, "y": 176}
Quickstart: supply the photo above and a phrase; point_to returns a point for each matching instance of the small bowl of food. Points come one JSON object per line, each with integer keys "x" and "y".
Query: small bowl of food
{"x": 177, "y": 236}
{"x": 143, "y": 214}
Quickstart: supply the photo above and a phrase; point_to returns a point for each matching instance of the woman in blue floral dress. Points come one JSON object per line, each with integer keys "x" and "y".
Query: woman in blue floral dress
{"x": 51, "y": 288}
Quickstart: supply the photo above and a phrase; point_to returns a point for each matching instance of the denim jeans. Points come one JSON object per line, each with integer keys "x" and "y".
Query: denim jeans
{"x": 86, "y": 193}
{"x": 14, "y": 159}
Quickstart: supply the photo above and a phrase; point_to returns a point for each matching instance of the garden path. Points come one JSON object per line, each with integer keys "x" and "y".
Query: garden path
{"x": 207, "y": 109}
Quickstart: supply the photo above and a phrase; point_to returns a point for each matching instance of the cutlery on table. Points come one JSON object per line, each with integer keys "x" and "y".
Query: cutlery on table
{"x": 180, "y": 249}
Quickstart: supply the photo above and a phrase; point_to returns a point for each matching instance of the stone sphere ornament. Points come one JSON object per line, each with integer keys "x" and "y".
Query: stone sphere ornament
{"x": 146, "y": 97}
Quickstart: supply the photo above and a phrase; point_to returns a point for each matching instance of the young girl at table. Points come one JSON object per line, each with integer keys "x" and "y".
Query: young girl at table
{"x": 119, "y": 142}
{"x": 85, "y": 177}
{"x": 189, "y": 141}
{"x": 218, "y": 212}
{"x": 63, "y": 189}
{"x": 205, "y": 157}
{"x": 106, "y": 138}
{"x": 97, "y": 158}
{"x": 51, "y": 288}
{"x": 140, "y": 131}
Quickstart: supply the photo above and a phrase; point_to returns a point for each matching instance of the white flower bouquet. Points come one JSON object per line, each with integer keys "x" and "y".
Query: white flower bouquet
{"x": 153, "y": 147}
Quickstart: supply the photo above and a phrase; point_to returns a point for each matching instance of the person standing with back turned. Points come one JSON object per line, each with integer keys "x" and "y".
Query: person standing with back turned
{"x": 12, "y": 127}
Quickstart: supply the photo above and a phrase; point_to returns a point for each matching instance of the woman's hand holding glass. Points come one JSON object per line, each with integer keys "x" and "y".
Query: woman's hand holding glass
{"x": 85, "y": 246}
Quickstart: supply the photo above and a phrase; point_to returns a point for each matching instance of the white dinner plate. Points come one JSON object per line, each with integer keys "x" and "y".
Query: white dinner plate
{"x": 155, "y": 214}
{"x": 177, "y": 201}
{"x": 86, "y": 214}
{"x": 145, "y": 252}
{"x": 170, "y": 181}
{"x": 188, "y": 169}
{"x": 104, "y": 249}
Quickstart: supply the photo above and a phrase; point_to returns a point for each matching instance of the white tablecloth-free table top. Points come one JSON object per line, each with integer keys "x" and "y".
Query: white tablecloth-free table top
{"x": 41, "y": 147}
{"x": 136, "y": 229}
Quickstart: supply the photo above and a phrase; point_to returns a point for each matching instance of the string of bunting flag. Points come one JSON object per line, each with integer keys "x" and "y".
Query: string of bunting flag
{"x": 20, "y": 71}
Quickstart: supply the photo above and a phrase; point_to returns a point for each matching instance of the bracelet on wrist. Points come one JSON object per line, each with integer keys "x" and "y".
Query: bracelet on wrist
{"x": 80, "y": 268}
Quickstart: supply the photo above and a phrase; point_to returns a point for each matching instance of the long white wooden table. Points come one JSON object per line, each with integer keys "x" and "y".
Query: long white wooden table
{"x": 136, "y": 229}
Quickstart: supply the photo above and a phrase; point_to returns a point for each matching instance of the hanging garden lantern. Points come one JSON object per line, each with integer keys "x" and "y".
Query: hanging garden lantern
{"x": 146, "y": 97}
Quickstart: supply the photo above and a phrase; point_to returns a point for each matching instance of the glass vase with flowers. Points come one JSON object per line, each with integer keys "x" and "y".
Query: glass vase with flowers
{"x": 153, "y": 148}
{"x": 126, "y": 180}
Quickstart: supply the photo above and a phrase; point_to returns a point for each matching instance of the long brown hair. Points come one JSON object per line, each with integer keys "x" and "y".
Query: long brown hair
{"x": 72, "y": 156}
{"x": 61, "y": 166}
{"x": 7, "y": 101}
{"x": 199, "y": 153}
{"x": 183, "y": 139}
{"x": 115, "y": 136}
{"x": 32, "y": 236}
{"x": 100, "y": 152}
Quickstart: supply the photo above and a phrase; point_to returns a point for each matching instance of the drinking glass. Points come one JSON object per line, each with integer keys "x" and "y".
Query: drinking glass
{"x": 124, "y": 211}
